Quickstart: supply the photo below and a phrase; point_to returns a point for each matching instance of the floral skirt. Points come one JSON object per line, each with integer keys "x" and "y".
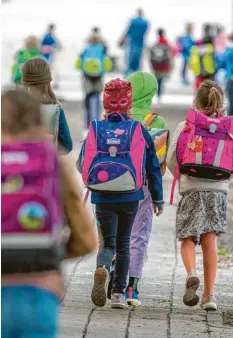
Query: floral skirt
{"x": 201, "y": 212}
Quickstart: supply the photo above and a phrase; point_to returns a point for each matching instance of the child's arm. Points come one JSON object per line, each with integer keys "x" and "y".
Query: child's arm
{"x": 153, "y": 171}
{"x": 79, "y": 162}
{"x": 171, "y": 155}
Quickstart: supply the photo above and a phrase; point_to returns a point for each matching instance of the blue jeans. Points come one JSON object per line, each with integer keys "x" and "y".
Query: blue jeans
{"x": 115, "y": 221}
{"x": 160, "y": 87}
{"x": 29, "y": 312}
{"x": 229, "y": 90}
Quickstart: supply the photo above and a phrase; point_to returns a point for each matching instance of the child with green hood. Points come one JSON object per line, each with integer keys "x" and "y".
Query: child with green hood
{"x": 144, "y": 87}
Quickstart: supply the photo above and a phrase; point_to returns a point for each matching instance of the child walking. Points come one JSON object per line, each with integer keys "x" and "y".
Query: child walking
{"x": 114, "y": 150}
{"x": 201, "y": 213}
{"x": 144, "y": 86}
{"x": 32, "y": 286}
{"x": 37, "y": 79}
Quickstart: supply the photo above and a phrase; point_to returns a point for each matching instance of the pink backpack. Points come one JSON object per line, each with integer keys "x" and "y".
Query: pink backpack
{"x": 205, "y": 148}
{"x": 31, "y": 210}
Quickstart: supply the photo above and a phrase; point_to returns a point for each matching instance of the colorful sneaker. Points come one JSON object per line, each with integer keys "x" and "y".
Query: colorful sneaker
{"x": 209, "y": 303}
{"x": 118, "y": 301}
{"x": 190, "y": 297}
{"x": 132, "y": 297}
{"x": 99, "y": 291}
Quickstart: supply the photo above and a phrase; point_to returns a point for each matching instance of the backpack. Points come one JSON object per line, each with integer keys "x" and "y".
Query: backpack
{"x": 205, "y": 148}
{"x": 161, "y": 140}
{"x": 202, "y": 60}
{"x": 160, "y": 58}
{"x": 114, "y": 157}
{"x": 92, "y": 60}
{"x": 51, "y": 115}
{"x": 31, "y": 211}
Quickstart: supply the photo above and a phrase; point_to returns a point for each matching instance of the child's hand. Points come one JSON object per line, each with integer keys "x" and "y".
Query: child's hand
{"x": 158, "y": 209}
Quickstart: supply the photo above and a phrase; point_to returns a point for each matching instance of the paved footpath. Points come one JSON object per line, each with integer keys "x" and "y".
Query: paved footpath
{"x": 162, "y": 314}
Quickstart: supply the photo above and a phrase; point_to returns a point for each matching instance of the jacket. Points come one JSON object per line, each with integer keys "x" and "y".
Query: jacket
{"x": 228, "y": 61}
{"x": 153, "y": 174}
{"x": 189, "y": 184}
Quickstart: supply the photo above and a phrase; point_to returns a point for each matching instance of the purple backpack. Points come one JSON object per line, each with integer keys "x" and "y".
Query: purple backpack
{"x": 31, "y": 209}
{"x": 114, "y": 157}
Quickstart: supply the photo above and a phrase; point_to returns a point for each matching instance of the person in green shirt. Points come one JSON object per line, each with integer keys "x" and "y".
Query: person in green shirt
{"x": 31, "y": 50}
{"x": 144, "y": 86}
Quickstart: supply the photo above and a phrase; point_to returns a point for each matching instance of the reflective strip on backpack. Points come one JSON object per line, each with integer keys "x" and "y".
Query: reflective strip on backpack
{"x": 219, "y": 153}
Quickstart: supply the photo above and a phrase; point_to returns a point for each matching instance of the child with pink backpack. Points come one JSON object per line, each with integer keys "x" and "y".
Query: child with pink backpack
{"x": 115, "y": 159}
{"x": 32, "y": 222}
{"x": 201, "y": 158}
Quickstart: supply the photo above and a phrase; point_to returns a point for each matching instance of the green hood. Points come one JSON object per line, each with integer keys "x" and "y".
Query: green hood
{"x": 145, "y": 86}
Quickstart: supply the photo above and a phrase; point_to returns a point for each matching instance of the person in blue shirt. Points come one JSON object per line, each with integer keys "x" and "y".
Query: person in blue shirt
{"x": 37, "y": 79}
{"x": 49, "y": 44}
{"x": 228, "y": 58}
{"x": 185, "y": 43}
{"x": 115, "y": 212}
{"x": 134, "y": 39}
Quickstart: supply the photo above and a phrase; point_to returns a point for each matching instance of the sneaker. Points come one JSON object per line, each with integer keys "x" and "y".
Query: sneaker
{"x": 209, "y": 303}
{"x": 132, "y": 297}
{"x": 185, "y": 82}
{"x": 190, "y": 297}
{"x": 99, "y": 291}
{"x": 118, "y": 301}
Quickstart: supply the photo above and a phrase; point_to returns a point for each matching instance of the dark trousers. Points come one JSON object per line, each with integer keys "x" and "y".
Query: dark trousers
{"x": 92, "y": 106}
{"x": 229, "y": 90}
{"x": 115, "y": 221}
{"x": 160, "y": 87}
{"x": 184, "y": 70}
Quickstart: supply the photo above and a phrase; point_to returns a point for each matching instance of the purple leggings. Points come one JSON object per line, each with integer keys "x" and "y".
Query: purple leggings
{"x": 140, "y": 235}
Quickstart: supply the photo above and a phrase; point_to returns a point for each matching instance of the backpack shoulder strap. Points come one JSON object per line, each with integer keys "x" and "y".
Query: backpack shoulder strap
{"x": 149, "y": 118}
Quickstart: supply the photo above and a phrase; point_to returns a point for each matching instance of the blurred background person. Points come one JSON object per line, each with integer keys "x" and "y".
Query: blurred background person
{"x": 93, "y": 63}
{"x": 203, "y": 61}
{"x": 49, "y": 46}
{"x": 31, "y": 50}
{"x": 96, "y": 35}
{"x": 161, "y": 55}
{"x": 185, "y": 43}
{"x": 229, "y": 72}
{"x": 134, "y": 42}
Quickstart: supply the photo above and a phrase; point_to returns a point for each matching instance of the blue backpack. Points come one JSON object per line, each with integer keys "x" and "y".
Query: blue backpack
{"x": 114, "y": 157}
{"x": 92, "y": 60}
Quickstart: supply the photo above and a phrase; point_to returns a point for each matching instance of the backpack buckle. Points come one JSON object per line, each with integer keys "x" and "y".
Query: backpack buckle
{"x": 212, "y": 128}
{"x": 112, "y": 151}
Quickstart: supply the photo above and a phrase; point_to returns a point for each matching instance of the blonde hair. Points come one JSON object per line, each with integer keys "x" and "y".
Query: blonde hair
{"x": 21, "y": 113}
{"x": 37, "y": 78}
{"x": 209, "y": 98}
{"x": 31, "y": 42}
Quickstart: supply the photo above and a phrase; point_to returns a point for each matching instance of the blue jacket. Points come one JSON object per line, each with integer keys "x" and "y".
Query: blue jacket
{"x": 153, "y": 174}
{"x": 64, "y": 138}
{"x": 136, "y": 31}
{"x": 228, "y": 61}
{"x": 186, "y": 43}
{"x": 49, "y": 40}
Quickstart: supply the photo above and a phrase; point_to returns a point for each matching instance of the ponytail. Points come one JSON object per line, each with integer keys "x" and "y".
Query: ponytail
{"x": 209, "y": 97}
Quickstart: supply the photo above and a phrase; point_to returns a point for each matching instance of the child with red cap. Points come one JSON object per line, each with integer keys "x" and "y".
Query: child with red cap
{"x": 115, "y": 159}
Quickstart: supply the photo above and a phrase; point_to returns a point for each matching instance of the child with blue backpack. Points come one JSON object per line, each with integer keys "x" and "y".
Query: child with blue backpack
{"x": 92, "y": 65}
{"x": 115, "y": 159}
